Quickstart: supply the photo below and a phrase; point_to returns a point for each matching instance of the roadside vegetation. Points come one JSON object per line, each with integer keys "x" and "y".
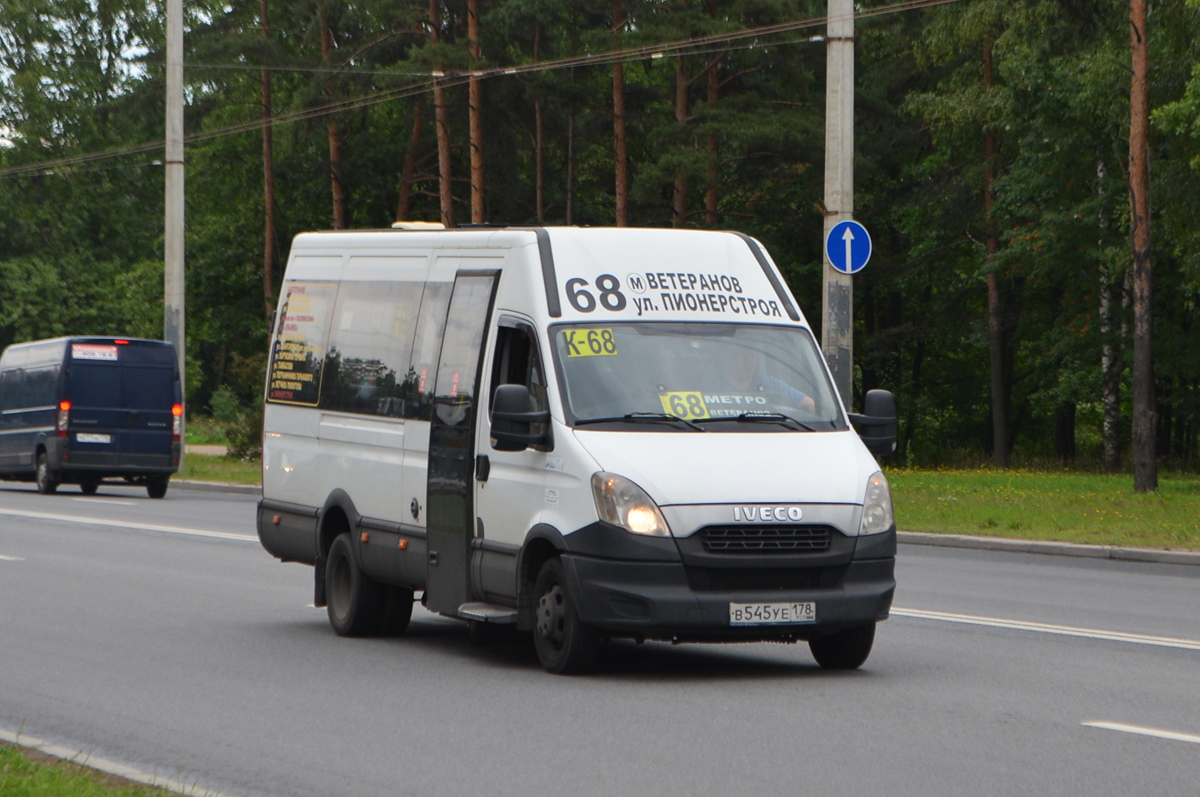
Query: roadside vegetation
{"x": 28, "y": 773}
{"x": 1064, "y": 506}
{"x": 216, "y": 468}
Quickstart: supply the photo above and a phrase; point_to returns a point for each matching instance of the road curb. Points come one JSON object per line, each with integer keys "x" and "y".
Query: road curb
{"x": 86, "y": 759}
{"x": 216, "y": 487}
{"x": 1050, "y": 548}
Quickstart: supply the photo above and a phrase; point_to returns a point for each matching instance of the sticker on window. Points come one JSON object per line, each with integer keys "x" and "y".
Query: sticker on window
{"x": 589, "y": 342}
{"x": 92, "y": 351}
{"x": 686, "y": 404}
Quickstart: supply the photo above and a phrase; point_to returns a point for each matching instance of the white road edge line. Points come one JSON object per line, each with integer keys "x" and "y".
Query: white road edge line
{"x": 1047, "y": 628}
{"x": 124, "y": 524}
{"x": 104, "y": 765}
{"x": 4, "y": 558}
{"x": 107, "y": 501}
{"x": 1155, "y": 732}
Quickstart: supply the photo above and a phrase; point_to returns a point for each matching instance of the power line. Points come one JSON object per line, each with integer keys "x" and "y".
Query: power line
{"x": 452, "y": 79}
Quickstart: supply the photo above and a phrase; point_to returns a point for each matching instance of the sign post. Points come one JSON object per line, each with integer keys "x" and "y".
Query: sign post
{"x": 837, "y": 310}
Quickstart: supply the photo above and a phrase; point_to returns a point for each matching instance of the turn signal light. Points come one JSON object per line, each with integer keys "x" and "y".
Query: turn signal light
{"x": 64, "y": 412}
{"x": 177, "y": 424}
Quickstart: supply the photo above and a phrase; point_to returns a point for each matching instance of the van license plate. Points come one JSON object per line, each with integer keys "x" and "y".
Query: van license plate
{"x": 84, "y": 437}
{"x": 803, "y": 613}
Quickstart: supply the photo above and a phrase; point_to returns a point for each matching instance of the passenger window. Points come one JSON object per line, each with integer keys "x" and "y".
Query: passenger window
{"x": 466, "y": 322}
{"x": 516, "y": 362}
{"x": 367, "y": 369}
{"x": 11, "y": 388}
{"x": 422, "y": 373}
{"x": 298, "y": 354}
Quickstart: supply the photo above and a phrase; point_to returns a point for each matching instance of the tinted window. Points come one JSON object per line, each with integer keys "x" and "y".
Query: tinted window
{"x": 371, "y": 339}
{"x": 298, "y": 353}
{"x": 147, "y": 388}
{"x": 465, "y": 325}
{"x": 12, "y": 383}
{"x": 427, "y": 346}
{"x": 94, "y": 385}
{"x": 41, "y": 387}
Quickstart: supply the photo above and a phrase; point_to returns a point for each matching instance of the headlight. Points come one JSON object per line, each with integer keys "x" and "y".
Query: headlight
{"x": 877, "y": 514}
{"x": 622, "y": 503}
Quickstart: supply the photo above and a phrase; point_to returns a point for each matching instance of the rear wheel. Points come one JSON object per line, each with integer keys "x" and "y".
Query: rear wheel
{"x": 46, "y": 483}
{"x": 353, "y": 599}
{"x": 846, "y": 650}
{"x": 564, "y": 643}
{"x": 88, "y": 488}
{"x": 157, "y": 488}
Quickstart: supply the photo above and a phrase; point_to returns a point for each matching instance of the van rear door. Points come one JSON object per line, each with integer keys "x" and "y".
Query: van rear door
{"x": 121, "y": 398}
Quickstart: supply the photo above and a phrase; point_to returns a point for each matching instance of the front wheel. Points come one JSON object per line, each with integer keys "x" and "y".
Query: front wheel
{"x": 564, "y": 643}
{"x": 46, "y": 484}
{"x": 845, "y": 650}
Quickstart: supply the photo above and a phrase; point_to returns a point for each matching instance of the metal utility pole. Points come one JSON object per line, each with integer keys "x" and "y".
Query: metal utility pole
{"x": 837, "y": 305}
{"x": 173, "y": 285}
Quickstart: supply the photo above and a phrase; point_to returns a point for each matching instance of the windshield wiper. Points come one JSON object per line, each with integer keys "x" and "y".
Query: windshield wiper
{"x": 642, "y": 417}
{"x": 762, "y": 417}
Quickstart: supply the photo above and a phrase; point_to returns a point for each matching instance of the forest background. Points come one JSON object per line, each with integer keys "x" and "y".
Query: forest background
{"x": 316, "y": 114}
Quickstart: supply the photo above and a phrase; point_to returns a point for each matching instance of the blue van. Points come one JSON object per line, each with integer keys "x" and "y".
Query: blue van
{"x": 79, "y": 410}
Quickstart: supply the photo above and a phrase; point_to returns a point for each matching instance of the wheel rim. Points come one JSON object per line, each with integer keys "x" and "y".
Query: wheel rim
{"x": 41, "y": 470}
{"x": 552, "y": 615}
{"x": 339, "y": 587}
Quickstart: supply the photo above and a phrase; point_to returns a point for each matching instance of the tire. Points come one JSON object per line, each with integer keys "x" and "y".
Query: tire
{"x": 845, "y": 650}
{"x": 157, "y": 488}
{"x": 88, "y": 488}
{"x": 353, "y": 599}
{"x": 563, "y": 642}
{"x": 46, "y": 484}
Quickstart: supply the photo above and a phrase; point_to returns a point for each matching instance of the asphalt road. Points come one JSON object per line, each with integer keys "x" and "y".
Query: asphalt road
{"x": 160, "y": 635}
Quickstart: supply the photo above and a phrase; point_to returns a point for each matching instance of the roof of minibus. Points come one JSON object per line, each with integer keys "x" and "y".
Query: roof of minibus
{"x": 670, "y": 273}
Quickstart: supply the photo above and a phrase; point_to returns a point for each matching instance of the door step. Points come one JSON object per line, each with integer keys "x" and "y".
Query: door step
{"x": 488, "y": 613}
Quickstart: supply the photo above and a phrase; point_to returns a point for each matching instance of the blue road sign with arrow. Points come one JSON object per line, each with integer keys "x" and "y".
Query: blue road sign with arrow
{"x": 848, "y": 247}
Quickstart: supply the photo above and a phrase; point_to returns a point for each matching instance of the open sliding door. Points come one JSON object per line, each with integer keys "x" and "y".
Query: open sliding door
{"x": 451, "y": 485}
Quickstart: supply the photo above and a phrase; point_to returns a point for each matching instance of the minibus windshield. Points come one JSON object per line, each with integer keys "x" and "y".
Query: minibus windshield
{"x": 710, "y": 376}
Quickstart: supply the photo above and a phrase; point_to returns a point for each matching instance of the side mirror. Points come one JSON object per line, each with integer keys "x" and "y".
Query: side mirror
{"x": 513, "y": 416}
{"x": 877, "y": 424}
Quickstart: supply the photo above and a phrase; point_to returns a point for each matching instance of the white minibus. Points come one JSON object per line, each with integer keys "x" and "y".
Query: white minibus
{"x": 583, "y": 433}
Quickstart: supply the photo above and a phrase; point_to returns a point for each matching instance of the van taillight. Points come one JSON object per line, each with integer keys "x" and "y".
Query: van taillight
{"x": 177, "y": 423}
{"x": 64, "y": 411}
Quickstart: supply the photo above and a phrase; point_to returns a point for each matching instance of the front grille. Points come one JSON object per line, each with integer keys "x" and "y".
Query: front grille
{"x": 766, "y": 539}
{"x": 763, "y": 579}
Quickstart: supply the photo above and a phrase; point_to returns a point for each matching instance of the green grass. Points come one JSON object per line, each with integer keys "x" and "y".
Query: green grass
{"x": 28, "y": 773}
{"x": 1063, "y": 506}
{"x": 207, "y": 468}
{"x": 204, "y": 430}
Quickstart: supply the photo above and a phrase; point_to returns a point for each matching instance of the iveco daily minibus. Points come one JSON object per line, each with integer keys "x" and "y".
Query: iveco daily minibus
{"x": 588, "y": 433}
{"x": 80, "y": 410}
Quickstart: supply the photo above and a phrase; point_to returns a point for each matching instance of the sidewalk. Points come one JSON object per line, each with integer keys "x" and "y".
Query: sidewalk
{"x": 1050, "y": 548}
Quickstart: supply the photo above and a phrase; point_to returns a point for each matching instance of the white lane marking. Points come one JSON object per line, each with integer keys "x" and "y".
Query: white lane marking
{"x": 1155, "y": 732}
{"x": 1047, "y": 628}
{"x": 108, "y": 501}
{"x": 4, "y": 558}
{"x": 125, "y": 524}
{"x": 86, "y": 759}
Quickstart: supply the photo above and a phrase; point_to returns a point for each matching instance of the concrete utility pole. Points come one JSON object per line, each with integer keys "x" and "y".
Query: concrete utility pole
{"x": 837, "y": 305}
{"x": 173, "y": 286}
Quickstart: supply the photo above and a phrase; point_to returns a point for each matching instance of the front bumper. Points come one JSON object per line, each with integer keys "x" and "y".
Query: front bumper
{"x": 682, "y": 601}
